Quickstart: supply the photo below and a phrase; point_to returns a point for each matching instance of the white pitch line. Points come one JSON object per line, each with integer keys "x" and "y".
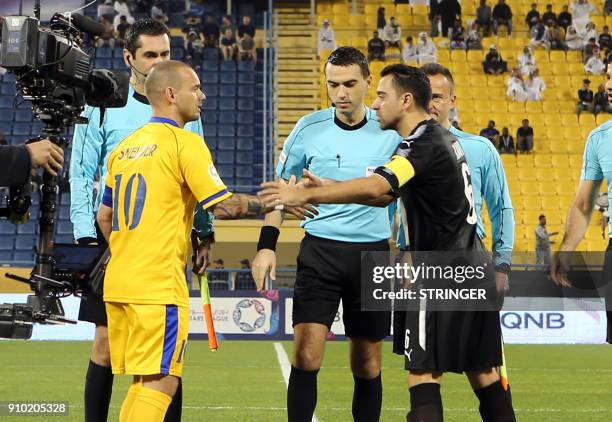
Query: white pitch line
{"x": 283, "y": 361}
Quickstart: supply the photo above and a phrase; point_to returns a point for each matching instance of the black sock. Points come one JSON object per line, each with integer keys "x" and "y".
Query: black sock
{"x": 98, "y": 390}
{"x": 173, "y": 414}
{"x": 494, "y": 404}
{"x": 301, "y": 395}
{"x": 367, "y": 399}
{"x": 509, "y": 395}
{"x": 425, "y": 403}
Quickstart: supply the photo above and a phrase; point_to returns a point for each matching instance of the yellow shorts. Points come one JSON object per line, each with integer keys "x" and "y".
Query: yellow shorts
{"x": 147, "y": 339}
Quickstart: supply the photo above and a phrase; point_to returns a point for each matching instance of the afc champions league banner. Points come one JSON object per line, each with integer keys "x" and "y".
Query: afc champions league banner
{"x": 266, "y": 315}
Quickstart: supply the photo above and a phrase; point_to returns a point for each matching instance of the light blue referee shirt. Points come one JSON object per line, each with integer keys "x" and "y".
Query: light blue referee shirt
{"x": 597, "y": 160}
{"x": 331, "y": 149}
{"x": 91, "y": 146}
{"x": 488, "y": 182}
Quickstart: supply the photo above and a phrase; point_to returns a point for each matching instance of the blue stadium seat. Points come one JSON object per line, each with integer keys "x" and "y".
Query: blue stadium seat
{"x": 64, "y": 238}
{"x": 64, "y": 212}
{"x": 244, "y": 158}
{"x": 211, "y": 142}
{"x": 245, "y": 117}
{"x": 210, "y": 54}
{"x": 246, "y": 91}
{"x": 24, "y": 257}
{"x": 104, "y": 52}
{"x": 65, "y": 198}
{"x": 7, "y": 116}
{"x": 227, "y": 130}
{"x": 37, "y": 127}
{"x": 226, "y": 144}
{"x": 209, "y": 130}
{"x": 211, "y": 104}
{"x": 246, "y": 131}
{"x": 177, "y": 41}
{"x": 225, "y": 157}
{"x": 6, "y": 227}
{"x": 245, "y": 104}
{"x": 228, "y": 66}
{"x": 227, "y": 91}
{"x": 246, "y": 66}
{"x": 21, "y": 129}
{"x": 219, "y": 285}
{"x": 210, "y": 117}
{"x": 19, "y": 140}
{"x": 6, "y": 256}
{"x": 64, "y": 227}
{"x": 6, "y": 101}
{"x": 8, "y": 88}
{"x": 119, "y": 64}
{"x": 227, "y": 117}
{"x": 210, "y": 78}
{"x": 211, "y": 90}
{"x": 246, "y": 78}
{"x": 118, "y": 52}
{"x": 23, "y": 116}
{"x": 103, "y": 63}
{"x": 21, "y": 103}
{"x": 227, "y": 104}
{"x": 244, "y": 182}
{"x": 226, "y": 172}
{"x": 5, "y": 127}
{"x": 9, "y": 77}
{"x": 31, "y": 227}
{"x": 244, "y": 171}
{"x": 177, "y": 53}
{"x": 25, "y": 242}
{"x": 228, "y": 77}
{"x": 210, "y": 65}
{"x": 244, "y": 144}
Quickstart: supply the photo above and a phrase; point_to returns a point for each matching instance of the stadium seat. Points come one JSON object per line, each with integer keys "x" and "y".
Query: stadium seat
{"x": 211, "y": 90}
{"x": 246, "y": 91}
{"x": 227, "y": 117}
{"x": 25, "y": 242}
{"x": 210, "y": 117}
{"x": 246, "y": 104}
{"x": 228, "y": 78}
{"x": 542, "y": 161}
{"x": 245, "y": 117}
{"x": 226, "y": 143}
{"x": 556, "y": 56}
{"x": 246, "y": 78}
{"x": 210, "y": 65}
{"x": 227, "y": 104}
{"x": 177, "y": 53}
{"x": 226, "y": 130}
{"x": 31, "y": 227}
{"x": 587, "y": 120}
{"x": 227, "y": 91}
{"x": 7, "y": 116}
{"x": 224, "y": 157}
{"x": 228, "y": 66}
{"x": 210, "y": 77}
{"x": 21, "y": 129}
{"x": 532, "y": 202}
{"x": 64, "y": 227}
{"x": 527, "y": 174}
{"x": 104, "y": 52}
{"x": 23, "y": 116}
{"x": 210, "y": 54}
{"x": 246, "y": 131}
{"x": 457, "y": 55}
{"x": 8, "y": 88}
{"x": 244, "y": 144}
{"x": 209, "y": 130}
{"x": 6, "y": 101}
{"x": 246, "y": 66}
{"x": 245, "y": 171}
{"x": 244, "y": 157}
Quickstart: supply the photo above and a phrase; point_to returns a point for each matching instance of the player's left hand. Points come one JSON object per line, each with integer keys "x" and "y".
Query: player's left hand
{"x": 202, "y": 261}
{"x": 558, "y": 269}
{"x": 282, "y": 193}
{"x": 501, "y": 284}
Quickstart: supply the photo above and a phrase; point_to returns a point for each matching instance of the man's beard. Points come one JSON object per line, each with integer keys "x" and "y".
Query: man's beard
{"x": 390, "y": 125}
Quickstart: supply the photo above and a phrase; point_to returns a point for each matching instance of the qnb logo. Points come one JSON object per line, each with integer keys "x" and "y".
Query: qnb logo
{"x": 249, "y": 315}
{"x": 533, "y": 320}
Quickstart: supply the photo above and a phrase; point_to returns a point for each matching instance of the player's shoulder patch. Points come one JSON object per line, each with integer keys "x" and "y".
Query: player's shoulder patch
{"x": 214, "y": 175}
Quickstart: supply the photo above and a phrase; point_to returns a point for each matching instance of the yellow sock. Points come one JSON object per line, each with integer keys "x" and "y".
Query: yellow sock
{"x": 149, "y": 406}
{"x": 129, "y": 401}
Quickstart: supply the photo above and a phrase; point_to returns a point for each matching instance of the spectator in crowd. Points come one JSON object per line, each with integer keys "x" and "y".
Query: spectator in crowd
{"x": 122, "y": 30}
{"x": 244, "y": 280}
{"x": 474, "y": 42}
{"x": 226, "y": 22}
{"x": 122, "y": 9}
{"x": 565, "y": 17}
{"x": 607, "y": 8}
{"x": 585, "y": 97}
{"x": 595, "y": 66}
{"x": 524, "y": 137}
{"x": 539, "y": 36}
{"x": 589, "y": 32}
{"x": 484, "y": 19}
{"x": 193, "y": 24}
{"x": 410, "y": 53}
{"x": 434, "y": 17}
{"x": 532, "y": 16}
{"x": 450, "y": 11}
{"x": 573, "y": 40}
{"x": 601, "y": 101}
{"x": 106, "y": 9}
{"x": 549, "y": 15}
{"x": 392, "y": 35}
{"x": 218, "y": 276}
{"x": 426, "y": 49}
{"x": 502, "y": 15}
{"x": 327, "y": 38}
{"x": 246, "y": 48}
{"x": 211, "y": 32}
{"x": 605, "y": 39}
{"x": 491, "y": 133}
{"x": 381, "y": 21}
{"x": 158, "y": 13}
{"x": 543, "y": 243}
{"x": 516, "y": 86}
{"x": 246, "y": 27}
{"x": 376, "y": 48}
{"x": 193, "y": 48}
{"x": 458, "y": 36}
{"x": 535, "y": 86}
{"x": 227, "y": 44}
{"x": 526, "y": 61}
{"x": 581, "y": 11}
{"x": 108, "y": 38}
{"x": 493, "y": 63}
{"x": 506, "y": 143}
{"x": 557, "y": 37}
{"x": 589, "y": 49}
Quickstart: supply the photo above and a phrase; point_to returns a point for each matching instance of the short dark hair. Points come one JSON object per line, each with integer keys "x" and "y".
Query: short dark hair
{"x": 146, "y": 26}
{"x": 541, "y": 216}
{"x": 432, "y": 69}
{"x": 410, "y": 79}
{"x": 346, "y": 56}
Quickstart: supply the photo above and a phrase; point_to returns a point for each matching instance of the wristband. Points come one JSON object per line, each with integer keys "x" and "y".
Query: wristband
{"x": 503, "y": 268}
{"x": 267, "y": 238}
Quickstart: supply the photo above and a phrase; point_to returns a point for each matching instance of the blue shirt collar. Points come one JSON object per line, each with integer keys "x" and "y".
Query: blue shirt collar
{"x": 163, "y": 120}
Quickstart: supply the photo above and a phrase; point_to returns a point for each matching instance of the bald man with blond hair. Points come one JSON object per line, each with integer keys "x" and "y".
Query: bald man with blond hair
{"x": 156, "y": 176}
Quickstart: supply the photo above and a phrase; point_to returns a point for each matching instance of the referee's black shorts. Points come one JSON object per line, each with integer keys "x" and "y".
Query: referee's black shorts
{"x": 329, "y": 271}
{"x": 92, "y": 307}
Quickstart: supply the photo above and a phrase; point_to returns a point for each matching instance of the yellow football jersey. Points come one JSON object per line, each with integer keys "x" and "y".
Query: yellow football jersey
{"x": 155, "y": 177}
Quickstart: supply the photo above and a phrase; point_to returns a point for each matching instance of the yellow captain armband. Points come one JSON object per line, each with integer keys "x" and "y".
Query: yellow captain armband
{"x": 401, "y": 168}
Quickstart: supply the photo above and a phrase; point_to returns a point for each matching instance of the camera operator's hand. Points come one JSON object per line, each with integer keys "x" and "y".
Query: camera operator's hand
{"x": 46, "y": 154}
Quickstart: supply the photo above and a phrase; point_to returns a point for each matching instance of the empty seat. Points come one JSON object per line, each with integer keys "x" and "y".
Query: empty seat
{"x": 209, "y": 130}
{"x": 211, "y": 54}
{"x": 227, "y": 104}
{"x": 228, "y": 78}
{"x": 245, "y": 78}
{"x": 210, "y": 77}
{"x": 246, "y": 91}
{"x": 177, "y": 41}
{"x": 64, "y": 227}
{"x": 226, "y": 130}
{"x": 246, "y": 66}
{"x": 246, "y": 131}
{"x": 104, "y": 52}
{"x": 211, "y": 90}
{"x": 118, "y": 52}
{"x": 6, "y": 256}
{"x": 119, "y": 64}
{"x": 103, "y": 63}
{"x": 6, "y": 101}
{"x": 177, "y": 53}
{"x": 228, "y": 66}
{"x": 227, "y": 91}
{"x": 31, "y": 227}
{"x": 226, "y": 143}
{"x": 6, "y": 243}
{"x": 211, "y": 104}
{"x": 21, "y": 129}
{"x": 210, "y": 117}
{"x": 7, "y": 116}
{"x": 224, "y": 157}
{"x": 245, "y": 104}
{"x": 245, "y": 117}
{"x": 244, "y": 144}
{"x": 211, "y": 143}
{"x": 227, "y": 117}
{"x": 210, "y": 65}
{"x": 25, "y": 242}
{"x": 8, "y": 88}
{"x": 244, "y": 171}
{"x": 244, "y": 158}
{"x": 23, "y": 116}
{"x": 25, "y": 257}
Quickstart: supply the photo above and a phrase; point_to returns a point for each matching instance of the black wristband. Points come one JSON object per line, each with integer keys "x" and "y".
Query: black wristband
{"x": 210, "y": 237}
{"x": 268, "y": 236}
{"x": 503, "y": 268}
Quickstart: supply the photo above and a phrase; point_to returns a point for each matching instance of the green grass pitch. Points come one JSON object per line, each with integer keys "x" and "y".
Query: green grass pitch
{"x": 243, "y": 382}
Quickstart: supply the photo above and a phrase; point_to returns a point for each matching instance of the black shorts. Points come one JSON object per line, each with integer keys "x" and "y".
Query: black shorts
{"x": 451, "y": 341}
{"x": 92, "y": 307}
{"x": 329, "y": 271}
